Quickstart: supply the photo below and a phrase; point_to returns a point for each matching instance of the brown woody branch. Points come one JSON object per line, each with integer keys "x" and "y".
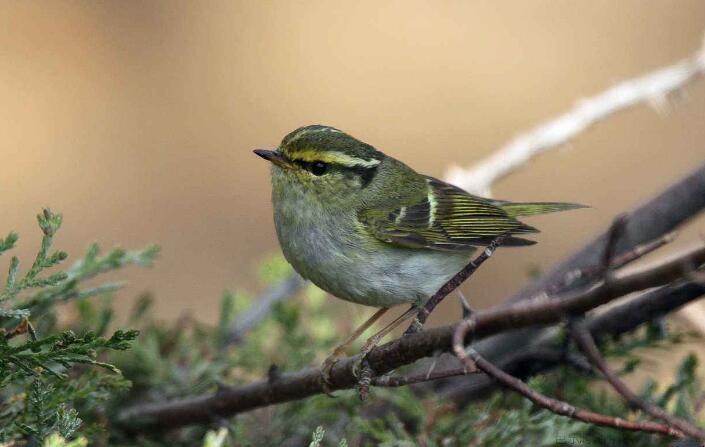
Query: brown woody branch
{"x": 472, "y": 358}
{"x": 647, "y": 224}
{"x": 306, "y": 383}
{"x": 587, "y": 345}
{"x": 545, "y": 353}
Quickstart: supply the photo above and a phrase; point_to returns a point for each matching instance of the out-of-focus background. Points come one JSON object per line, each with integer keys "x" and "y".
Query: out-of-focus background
{"x": 137, "y": 120}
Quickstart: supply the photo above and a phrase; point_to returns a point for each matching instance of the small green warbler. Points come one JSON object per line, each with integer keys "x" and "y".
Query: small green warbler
{"x": 369, "y": 229}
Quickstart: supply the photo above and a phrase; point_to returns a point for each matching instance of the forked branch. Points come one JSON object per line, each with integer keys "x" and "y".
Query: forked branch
{"x": 587, "y": 344}
{"x": 472, "y": 360}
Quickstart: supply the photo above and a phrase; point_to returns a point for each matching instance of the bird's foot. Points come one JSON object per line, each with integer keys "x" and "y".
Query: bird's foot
{"x": 326, "y": 368}
{"x": 364, "y": 379}
{"x": 362, "y": 370}
{"x": 370, "y": 344}
{"x": 357, "y": 365}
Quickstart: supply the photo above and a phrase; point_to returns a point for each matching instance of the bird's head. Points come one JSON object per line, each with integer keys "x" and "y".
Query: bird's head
{"x": 323, "y": 161}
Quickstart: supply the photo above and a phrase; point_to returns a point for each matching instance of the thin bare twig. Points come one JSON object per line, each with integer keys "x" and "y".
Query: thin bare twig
{"x": 637, "y": 252}
{"x": 472, "y": 359}
{"x": 617, "y": 320}
{"x": 610, "y": 261}
{"x": 587, "y": 344}
{"x": 263, "y": 305}
{"x": 453, "y": 284}
{"x": 650, "y": 88}
{"x": 661, "y": 215}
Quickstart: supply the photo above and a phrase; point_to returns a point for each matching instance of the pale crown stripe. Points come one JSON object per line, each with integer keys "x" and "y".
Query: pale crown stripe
{"x": 339, "y": 158}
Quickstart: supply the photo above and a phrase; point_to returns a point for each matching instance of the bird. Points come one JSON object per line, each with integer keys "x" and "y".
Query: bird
{"x": 369, "y": 229}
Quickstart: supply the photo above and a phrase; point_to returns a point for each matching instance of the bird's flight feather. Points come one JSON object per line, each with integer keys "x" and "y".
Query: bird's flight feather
{"x": 445, "y": 217}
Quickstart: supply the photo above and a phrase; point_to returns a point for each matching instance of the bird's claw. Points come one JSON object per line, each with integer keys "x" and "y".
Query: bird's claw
{"x": 357, "y": 366}
{"x": 362, "y": 357}
{"x": 326, "y": 368}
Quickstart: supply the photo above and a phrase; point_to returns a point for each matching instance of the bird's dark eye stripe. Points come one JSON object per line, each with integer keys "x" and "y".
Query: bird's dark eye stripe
{"x": 314, "y": 167}
{"x": 366, "y": 173}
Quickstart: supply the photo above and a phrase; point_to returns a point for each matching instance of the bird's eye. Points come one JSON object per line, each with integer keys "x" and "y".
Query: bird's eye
{"x": 319, "y": 168}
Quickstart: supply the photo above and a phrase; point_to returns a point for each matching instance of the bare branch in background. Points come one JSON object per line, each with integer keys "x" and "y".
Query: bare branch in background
{"x": 263, "y": 305}
{"x": 651, "y": 88}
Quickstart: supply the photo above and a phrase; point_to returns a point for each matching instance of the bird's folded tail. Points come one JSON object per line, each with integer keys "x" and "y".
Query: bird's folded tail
{"x": 535, "y": 208}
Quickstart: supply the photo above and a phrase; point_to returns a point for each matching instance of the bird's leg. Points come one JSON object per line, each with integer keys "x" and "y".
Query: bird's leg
{"x": 340, "y": 349}
{"x": 374, "y": 340}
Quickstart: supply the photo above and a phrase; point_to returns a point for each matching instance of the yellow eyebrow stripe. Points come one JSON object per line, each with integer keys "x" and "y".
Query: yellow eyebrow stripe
{"x": 338, "y": 158}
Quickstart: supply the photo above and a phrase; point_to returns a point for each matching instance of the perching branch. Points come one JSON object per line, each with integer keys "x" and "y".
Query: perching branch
{"x": 306, "y": 383}
{"x": 651, "y": 88}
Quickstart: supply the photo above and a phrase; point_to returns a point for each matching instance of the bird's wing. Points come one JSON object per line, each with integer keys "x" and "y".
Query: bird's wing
{"x": 445, "y": 218}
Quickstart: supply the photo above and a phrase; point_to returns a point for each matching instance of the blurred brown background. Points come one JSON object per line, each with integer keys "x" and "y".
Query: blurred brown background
{"x": 136, "y": 120}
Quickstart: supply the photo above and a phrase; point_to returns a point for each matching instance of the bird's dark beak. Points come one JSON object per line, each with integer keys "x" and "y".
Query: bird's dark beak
{"x": 273, "y": 156}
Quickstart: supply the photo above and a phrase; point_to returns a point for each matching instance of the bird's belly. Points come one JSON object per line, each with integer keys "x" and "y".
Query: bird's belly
{"x": 398, "y": 276}
{"x": 354, "y": 268}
